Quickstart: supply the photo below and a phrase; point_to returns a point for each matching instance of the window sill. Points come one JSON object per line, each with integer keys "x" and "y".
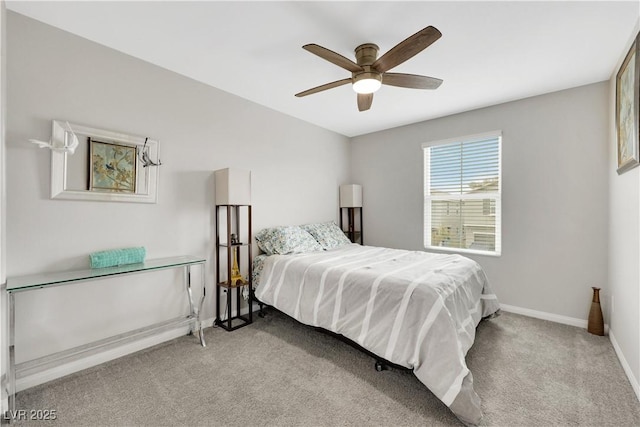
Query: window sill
{"x": 462, "y": 251}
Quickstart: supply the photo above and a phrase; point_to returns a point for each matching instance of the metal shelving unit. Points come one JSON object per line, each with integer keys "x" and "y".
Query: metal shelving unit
{"x": 232, "y": 256}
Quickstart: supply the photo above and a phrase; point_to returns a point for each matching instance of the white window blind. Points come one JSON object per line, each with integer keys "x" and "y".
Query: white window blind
{"x": 462, "y": 188}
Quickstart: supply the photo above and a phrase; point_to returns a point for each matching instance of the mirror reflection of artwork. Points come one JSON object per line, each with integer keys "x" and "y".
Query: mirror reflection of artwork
{"x": 113, "y": 167}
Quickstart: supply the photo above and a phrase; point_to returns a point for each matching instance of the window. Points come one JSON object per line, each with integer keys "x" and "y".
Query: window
{"x": 462, "y": 187}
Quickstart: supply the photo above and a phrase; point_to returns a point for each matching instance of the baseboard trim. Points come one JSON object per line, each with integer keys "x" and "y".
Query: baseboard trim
{"x": 566, "y": 320}
{"x": 625, "y": 365}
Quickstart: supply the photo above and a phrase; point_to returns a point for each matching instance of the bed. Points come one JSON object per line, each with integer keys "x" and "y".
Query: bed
{"x": 415, "y": 309}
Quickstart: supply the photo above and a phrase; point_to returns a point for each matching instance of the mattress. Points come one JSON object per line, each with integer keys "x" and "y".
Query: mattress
{"x": 415, "y": 309}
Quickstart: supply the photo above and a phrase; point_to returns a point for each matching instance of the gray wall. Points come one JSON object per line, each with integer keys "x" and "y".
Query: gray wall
{"x": 554, "y": 199}
{"x": 296, "y": 169}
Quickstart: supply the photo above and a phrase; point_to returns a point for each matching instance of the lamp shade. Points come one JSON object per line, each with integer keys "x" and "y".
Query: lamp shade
{"x": 233, "y": 186}
{"x": 351, "y": 196}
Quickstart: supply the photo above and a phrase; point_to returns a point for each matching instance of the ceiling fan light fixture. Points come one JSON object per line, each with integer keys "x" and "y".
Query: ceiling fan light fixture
{"x": 367, "y": 82}
{"x": 369, "y": 72}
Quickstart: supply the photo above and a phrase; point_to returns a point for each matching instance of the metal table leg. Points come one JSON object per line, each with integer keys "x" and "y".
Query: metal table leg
{"x": 187, "y": 281}
{"x": 11, "y": 369}
{"x": 202, "y": 342}
{"x": 197, "y": 324}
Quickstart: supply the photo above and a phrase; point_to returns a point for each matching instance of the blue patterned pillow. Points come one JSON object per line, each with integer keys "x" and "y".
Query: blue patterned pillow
{"x": 286, "y": 240}
{"x": 328, "y": 234}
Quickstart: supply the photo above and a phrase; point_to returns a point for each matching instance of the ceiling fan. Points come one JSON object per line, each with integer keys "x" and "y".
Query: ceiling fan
{"x": 369, "y": 72}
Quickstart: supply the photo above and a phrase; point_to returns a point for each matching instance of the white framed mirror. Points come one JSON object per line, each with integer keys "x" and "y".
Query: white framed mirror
{"x": 106, "y": 166}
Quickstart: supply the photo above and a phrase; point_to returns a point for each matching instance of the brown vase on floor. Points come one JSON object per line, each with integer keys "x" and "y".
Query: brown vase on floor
{"x": 596, "y": 323}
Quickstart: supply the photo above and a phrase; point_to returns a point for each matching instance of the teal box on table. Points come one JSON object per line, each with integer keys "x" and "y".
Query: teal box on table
{"x": 114, "y": 257}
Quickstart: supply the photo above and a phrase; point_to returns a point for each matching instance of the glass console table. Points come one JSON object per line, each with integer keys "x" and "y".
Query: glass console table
{"x": 48, "y": 280}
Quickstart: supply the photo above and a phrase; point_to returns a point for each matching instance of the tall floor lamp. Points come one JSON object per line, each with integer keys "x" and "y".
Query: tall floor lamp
{"x": 351, "y": 200}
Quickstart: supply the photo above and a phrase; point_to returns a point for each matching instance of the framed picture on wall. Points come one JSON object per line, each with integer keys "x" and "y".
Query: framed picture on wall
{"x": 627, "y": 116}
{"x": 112, "y": 167}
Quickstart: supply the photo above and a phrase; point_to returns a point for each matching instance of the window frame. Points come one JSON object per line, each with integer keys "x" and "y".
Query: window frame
{"x": 428, "y": 198}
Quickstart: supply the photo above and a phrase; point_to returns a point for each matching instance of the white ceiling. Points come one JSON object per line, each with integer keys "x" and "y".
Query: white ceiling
{"x": 490, "y": 52}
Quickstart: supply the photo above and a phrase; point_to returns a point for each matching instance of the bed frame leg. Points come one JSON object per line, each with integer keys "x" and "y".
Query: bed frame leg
{"x": 261, "y": 311}
{"x": 380, "y": 366}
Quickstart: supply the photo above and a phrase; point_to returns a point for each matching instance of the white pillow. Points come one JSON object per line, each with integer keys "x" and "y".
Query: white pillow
{"x": 328, "y": 234}
{"x": 286, "y": 240}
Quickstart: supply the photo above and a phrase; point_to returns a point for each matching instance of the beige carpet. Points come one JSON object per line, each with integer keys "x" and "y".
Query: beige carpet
{"x": 277, "y": 372}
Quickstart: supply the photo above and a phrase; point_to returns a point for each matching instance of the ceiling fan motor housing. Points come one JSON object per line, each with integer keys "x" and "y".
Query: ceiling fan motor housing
{"x": 366, "y": 54}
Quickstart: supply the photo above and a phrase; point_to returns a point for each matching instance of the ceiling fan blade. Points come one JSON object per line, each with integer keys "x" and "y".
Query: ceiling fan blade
{"x": 411, "y": 81}
{"x": 323, "y": 87}
{"x": 364, "y": 101}
{"x": 407, "y": 49}
{"x": 333, "y": 57}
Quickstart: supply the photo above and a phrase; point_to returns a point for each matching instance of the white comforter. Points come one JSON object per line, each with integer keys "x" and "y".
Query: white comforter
{"x": 415, "y": 309}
